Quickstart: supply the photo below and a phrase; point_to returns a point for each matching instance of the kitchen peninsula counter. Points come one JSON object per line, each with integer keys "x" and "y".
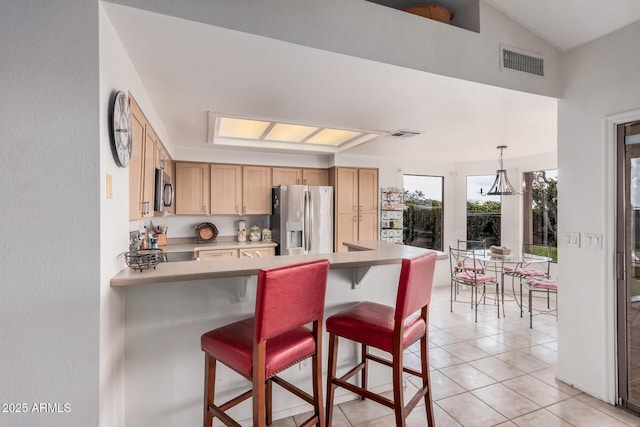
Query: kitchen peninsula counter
{"x": 361, "y": 254}
{"x": 163, "y": 321}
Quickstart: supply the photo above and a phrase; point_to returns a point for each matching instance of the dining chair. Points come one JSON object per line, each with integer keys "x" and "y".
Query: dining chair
{"x": 276, "y": 338}
{"x": 539, "y": 284}
{"x": 392, "y": 330}
{"x": 526, "y": 269}
{"x": 466, "y": 270}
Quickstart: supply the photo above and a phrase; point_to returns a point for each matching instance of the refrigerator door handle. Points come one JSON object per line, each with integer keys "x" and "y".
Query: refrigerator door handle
{"x": 310, "y": 223}
{"x": 307, "y": 219}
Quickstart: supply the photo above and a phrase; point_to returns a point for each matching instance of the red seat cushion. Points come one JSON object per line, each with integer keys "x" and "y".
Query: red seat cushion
{"x": 233, "y": 345}
{"x": 372, "y": 324}
{"x": 539, "y": 282}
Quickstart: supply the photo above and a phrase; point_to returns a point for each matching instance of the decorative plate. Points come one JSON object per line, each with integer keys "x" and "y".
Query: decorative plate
{"x": 206, "y": 232}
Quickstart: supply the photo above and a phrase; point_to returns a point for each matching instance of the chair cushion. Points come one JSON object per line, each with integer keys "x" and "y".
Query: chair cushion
{"x": 524, "y": 272}
{"x": 471, "y": 278}
{"x": 542, "y": 283}
{"x": 233, "y": 345}
{"x": 372, "y": 324}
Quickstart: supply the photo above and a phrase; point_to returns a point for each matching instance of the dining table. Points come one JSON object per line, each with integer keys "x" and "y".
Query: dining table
{"x": 496, "y": 263}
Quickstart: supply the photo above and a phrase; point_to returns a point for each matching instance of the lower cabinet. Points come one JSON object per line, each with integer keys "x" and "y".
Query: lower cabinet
{"x": 212, "y": 254}
{"x": 257, "y": 252}
{"x": 217, "y": 253}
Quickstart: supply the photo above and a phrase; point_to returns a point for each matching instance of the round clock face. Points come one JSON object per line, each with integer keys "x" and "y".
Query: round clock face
{"x": 121, "y": 128}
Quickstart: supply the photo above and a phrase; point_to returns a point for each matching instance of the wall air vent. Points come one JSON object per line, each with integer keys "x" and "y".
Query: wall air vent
{"x": 404, "y": 133}
{"x": 522, "y": 61}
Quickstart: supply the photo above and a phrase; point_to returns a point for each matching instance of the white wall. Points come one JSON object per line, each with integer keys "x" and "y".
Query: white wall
{"x": 50, "y": 228}
{"x": 116, "y": 73}
{"x": 414, "y": 42}
{"x": 601, "y": 80}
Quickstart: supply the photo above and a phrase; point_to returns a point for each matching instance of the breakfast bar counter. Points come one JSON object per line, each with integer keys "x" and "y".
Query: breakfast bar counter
{"x": 361, "y": 254}
{"x": 163, "y": 320}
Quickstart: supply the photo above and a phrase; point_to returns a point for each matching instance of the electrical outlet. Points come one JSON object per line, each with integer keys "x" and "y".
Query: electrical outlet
{"x": 304, "y": 364}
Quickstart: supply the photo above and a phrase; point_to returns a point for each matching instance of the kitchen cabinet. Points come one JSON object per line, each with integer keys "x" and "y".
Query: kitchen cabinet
{"x": 240, "y": 190}
{"x": 257, "y": 252}
{"x": 315, "y": 176}
{"x": 356, "y": 204}
{"x": 192, "y": 188}
{"x": 256, "y": 190}
{"x": 141, "y": 165}
{"x": 295, "y": 176}
{"x": 226, "y": 189}
{"x": 286, "y": 176}
{"x": 208, "y": 255}
{"x": 212, "y": 254}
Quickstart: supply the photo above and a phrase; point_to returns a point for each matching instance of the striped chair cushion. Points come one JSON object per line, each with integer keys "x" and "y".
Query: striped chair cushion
{"x": 524, "y": 272}
{"x": 471, "y": 278}
{"x": 542, "y": 283}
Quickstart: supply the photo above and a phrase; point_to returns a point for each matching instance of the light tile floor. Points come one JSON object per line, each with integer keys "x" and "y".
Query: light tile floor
{"x": 497, "y": 372}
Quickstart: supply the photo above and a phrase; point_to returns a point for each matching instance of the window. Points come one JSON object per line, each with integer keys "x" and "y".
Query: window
{"x": 540, "y": 209}
{"x": 422, "y": 219}
{"x": 483, "y": 212}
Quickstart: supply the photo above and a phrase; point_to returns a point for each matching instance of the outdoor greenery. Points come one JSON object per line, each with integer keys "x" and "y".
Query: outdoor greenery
{"x": 422, "y": 221}
{"x": 483, "y": 222}
{"x": 545, "y": 208}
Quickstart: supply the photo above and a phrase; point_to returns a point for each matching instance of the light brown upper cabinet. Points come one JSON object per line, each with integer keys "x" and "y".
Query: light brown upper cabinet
{"x": 141, "y": 165}
{"x": 226, "y": 189}
{"x": 192, "y": 192}
{"x": 356, "y": 204}
{"x": 315, "y": 176}
{"x": 256, "y": 190}
{"x": 286, "y": 176}
{"x": 240, "y": 190}
{"x": 295, "y": 176}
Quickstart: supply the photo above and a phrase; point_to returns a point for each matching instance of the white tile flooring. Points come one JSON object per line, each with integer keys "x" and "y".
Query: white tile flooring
{"x": 496, "y": 372}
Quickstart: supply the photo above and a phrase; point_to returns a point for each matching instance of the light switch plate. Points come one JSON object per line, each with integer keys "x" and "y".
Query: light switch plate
{"x": 109, "y": 182}
{"x": 571, "y": 239}
{"x": 591, "y": 240}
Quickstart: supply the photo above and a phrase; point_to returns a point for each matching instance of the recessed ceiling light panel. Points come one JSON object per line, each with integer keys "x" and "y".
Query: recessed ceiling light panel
{"x": 289, "y": 133}
{"x": 241, "y": 128}
{"x": 244, "y": 132}
{"x": 333, "y": 136}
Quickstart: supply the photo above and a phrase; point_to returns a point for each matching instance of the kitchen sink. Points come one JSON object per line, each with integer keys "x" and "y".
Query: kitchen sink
{"x": 179, "y": 256}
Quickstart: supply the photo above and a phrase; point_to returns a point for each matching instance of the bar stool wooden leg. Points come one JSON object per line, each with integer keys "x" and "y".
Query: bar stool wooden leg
{"x": 331, "y": 373}
{"x": 398, "y": 395}
{"x": 209, "y": 388}
{"x": 268, "y": 404}
{"x": 316, "y": 364}
{"x": 365, "y": 371}
{"x": 426, "y": 380}
{"x": 259, "y": 388}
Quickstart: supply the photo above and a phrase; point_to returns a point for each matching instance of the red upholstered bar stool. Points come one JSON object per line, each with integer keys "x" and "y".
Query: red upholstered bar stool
{"x": 258, "y": 348}
{"x": 391, "y": 329}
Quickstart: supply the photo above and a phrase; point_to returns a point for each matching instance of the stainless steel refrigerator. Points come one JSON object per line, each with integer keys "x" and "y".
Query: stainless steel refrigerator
{"x": 302, "y": 219}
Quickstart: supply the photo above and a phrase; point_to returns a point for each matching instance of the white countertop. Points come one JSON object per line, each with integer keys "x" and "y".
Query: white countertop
{"x": 362, "y": 254}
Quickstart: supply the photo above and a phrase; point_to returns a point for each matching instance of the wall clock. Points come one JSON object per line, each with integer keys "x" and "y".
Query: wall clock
{"x": 121, "y": 129}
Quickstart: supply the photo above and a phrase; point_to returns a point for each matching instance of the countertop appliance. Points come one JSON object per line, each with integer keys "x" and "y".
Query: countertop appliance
{"x": 164, "y": 192}
{"x": 302, "y": 219}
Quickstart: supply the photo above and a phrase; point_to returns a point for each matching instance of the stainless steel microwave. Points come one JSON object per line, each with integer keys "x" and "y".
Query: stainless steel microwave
{"x": 164, "y": 192}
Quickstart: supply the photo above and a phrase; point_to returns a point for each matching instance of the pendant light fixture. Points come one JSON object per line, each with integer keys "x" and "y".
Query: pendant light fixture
{"x": 501, "y": 186}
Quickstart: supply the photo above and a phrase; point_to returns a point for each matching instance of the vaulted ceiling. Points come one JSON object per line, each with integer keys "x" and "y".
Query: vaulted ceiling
{"x": 190, "y": 68}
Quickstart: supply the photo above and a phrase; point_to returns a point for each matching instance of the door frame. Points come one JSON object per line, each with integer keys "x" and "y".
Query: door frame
{"x": 610, "y": 244}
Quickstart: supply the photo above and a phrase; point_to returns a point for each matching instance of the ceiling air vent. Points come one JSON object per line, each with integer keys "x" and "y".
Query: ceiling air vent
{"x": 520, "y": 61}
{"x": 404, "y": 133}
